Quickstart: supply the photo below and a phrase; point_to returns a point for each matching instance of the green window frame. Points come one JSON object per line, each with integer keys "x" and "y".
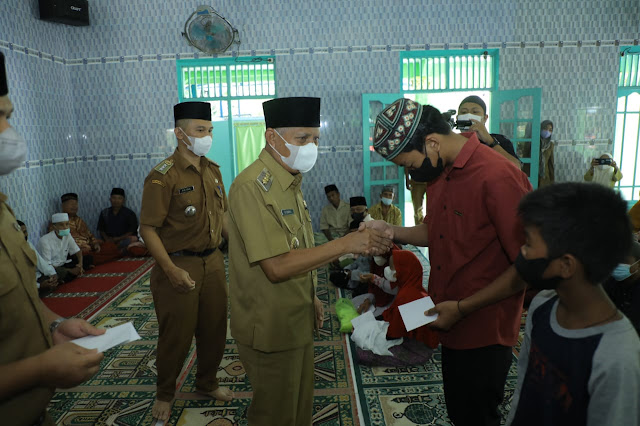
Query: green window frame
{"x": 446, "y": 71}
{"x": 218, "y": 79}
{"x": 626, "y": 145}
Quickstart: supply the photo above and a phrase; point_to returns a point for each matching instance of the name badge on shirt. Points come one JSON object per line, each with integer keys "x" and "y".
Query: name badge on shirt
{"x": 186, "y": 189}
{"x": 286, "y": 212}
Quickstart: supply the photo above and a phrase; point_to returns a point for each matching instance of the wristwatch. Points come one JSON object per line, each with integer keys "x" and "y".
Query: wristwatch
{"x": 493, "y": 143}
{"x": 55, "y": 324}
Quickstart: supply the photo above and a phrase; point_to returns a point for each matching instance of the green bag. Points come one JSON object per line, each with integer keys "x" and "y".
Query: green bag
{"x": 346, "y": 312}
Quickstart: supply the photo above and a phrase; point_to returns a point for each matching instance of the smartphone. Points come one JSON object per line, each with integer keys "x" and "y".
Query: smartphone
{"x": 603, "y": 161}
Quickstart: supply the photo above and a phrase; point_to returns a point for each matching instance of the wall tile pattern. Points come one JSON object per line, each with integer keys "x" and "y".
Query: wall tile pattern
{"x": 106, "y": 102}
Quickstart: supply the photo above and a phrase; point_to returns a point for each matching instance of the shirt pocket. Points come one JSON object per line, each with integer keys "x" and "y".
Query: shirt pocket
{"x": 289, "y": 220}
{"x": 180, "y": 199}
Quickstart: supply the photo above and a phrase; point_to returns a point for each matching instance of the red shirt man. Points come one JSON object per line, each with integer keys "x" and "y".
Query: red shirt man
{"x": 474, "y": 236}
{"x": 473, "y": 233}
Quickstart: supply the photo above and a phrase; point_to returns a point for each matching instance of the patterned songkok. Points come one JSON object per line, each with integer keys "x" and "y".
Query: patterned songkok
{"x": 395, "y": 127}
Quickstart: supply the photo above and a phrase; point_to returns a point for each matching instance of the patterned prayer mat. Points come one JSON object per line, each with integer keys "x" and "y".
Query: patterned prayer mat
{"x": 123, "y": 391}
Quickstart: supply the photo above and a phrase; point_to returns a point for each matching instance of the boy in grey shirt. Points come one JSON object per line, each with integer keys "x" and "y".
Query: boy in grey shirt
{"x": 580, "y": 359}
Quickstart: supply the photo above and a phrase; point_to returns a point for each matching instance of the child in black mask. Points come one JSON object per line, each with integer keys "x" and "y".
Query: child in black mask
{"x": 580, "y": 359}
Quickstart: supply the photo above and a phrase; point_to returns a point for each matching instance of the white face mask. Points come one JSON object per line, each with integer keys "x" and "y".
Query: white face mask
{"x": 301, "y": 158}
{"x": 390, "y": 274}
{"x": 386, "y": 201}
{"x": 199, "y": 146}
{"x": 13, "y": 151}
{"x": 379, "y": 260}
{"x": 468, "y": 117}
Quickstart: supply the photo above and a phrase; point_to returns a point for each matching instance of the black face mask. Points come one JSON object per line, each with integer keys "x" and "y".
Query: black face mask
{"x": 532, "y": 270}
{"x": 426, "y": 172}
{"x": 358, "y": 216}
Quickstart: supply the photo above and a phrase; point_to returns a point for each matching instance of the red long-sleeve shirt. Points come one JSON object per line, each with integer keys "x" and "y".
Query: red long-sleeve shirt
{"x": 475, "y": 234}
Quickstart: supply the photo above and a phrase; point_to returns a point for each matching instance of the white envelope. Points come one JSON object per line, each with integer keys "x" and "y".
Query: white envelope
{"x": 413, "y": 313}
{"x": 114, "y": 336}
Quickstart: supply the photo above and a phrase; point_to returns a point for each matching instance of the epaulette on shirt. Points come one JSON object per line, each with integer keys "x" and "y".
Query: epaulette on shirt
{"x": 164, "y": 166}
{"x": 213, "y": 162}
{"x": 265, "y": 179}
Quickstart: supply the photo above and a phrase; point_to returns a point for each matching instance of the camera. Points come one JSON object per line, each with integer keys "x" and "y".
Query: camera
{"x": 464, "y": 124}
{"x": 448, "y": 117}
{"x": 603, "y": 161}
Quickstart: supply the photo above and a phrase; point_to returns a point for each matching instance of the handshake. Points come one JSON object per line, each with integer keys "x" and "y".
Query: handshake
{"x": 371, "y": 239}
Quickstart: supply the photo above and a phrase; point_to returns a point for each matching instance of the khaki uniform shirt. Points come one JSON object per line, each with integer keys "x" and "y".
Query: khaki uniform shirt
{"x": 24, "y": 331}
{"x": 269, "y": 217}
{"x": 336, "y": 220}
{"x": 394, "y": 216}
{"x": 175, "y": 185}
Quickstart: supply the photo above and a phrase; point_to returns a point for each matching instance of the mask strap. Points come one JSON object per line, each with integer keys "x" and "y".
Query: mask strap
{"x": 185, "y": 134}
{"x": 286, "y": 143}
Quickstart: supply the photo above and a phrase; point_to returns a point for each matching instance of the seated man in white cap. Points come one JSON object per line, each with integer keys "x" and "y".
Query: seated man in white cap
{"x": 92, "y": 248}
{"x": 58, "y": 246}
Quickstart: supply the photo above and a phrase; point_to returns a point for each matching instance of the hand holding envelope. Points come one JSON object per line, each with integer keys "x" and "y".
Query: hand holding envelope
{"x": 413, "y": 313}
{"x": 114, "y": 336}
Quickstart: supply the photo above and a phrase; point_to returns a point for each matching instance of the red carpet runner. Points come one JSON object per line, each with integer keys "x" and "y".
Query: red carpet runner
{"x": 87, "y": 294}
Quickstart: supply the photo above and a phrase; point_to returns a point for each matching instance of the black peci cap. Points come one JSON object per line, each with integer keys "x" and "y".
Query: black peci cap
{"x": 292, "y": 112}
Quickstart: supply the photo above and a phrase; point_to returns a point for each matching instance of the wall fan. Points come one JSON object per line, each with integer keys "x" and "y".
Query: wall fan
{"x": 209, "y": 32}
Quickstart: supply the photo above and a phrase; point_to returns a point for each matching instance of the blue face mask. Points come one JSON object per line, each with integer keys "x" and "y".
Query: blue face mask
{"x": 64, "y": 232}
{"x": 545, "y": 134}
{"x": 622, "y": 272}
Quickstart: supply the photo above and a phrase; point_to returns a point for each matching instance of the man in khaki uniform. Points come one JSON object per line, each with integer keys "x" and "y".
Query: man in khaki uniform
{"x": 31, "y": 367}
{"x": 183, "y": 205}
{"x": 272, "y": 265}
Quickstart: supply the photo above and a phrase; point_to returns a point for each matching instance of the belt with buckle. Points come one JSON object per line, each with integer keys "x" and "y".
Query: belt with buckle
{"x": 204, "y": 253}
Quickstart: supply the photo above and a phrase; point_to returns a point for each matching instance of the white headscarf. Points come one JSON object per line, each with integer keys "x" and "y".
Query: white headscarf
{"x": 603, "y": 173}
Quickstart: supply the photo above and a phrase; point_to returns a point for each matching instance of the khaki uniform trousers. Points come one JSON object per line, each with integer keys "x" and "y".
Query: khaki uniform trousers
{"x": 202, "y": 311}
{"x": 282, "y": 383}
{"x": 418, "y": 192}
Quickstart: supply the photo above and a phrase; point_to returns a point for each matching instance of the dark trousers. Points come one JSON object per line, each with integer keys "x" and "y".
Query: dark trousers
{"x": 201, "y": 312}
{"x": 282, "y": 383}
{"x": 474, "y": 383}
{"x": 64, "y": 272}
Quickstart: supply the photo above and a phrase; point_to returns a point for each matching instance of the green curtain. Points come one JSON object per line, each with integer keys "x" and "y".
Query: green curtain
{"x": 249, "y": 142}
